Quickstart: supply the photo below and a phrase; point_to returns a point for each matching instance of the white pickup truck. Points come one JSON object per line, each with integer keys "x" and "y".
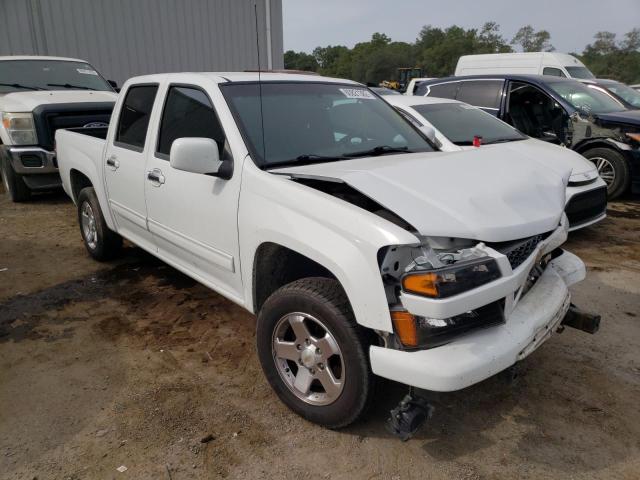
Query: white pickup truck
{"x": 310, "y": 202}
{"x": 39, "y": 95}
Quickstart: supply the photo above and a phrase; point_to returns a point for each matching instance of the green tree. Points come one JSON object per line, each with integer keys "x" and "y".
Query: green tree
{"x": 607, "y": 58}
{"x": 491, "y": 41}
{"x": 531, "y": 41}
{"x": 300, "y": 61}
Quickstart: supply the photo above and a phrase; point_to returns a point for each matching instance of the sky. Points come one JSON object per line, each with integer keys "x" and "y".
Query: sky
{"x": 572, "y": 23}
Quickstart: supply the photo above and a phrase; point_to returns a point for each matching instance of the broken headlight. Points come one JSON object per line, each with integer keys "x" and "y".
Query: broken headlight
{"x": 452, "y": 279}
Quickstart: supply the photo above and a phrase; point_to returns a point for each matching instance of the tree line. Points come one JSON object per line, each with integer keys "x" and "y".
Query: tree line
{"x": 437, "y": 50}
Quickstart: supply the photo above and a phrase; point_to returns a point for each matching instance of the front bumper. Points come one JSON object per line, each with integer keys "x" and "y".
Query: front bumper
{"x": 586, "y": 204}
{"x": 37, "y": 166}
{"x": 530, "y": 320}
{"x": 31, "y": 160}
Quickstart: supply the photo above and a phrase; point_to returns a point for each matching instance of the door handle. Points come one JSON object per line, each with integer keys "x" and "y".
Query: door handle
{"x": 113, "y": 162}
{"x": 155, "y": 176}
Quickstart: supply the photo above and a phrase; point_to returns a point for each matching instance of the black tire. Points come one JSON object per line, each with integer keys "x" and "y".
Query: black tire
{"x": 107, "y": 244}
{"x": 14, "y": 184}
{"x": 622, "y": 174}
{"x": 325, "y": 300}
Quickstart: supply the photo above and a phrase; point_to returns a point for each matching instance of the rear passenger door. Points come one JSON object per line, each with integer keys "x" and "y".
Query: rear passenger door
{"x": 124, "y": 164}
{"x": 193, "y": 217}
{"x": 485, "y": 94}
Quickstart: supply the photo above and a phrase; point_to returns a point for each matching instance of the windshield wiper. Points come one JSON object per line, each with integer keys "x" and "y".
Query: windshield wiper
{"x": 307, "y": 159}
{"x": 19, "y": 85}
{"x": 68, "y": 85}
{"x": 379, "y": 150}
{"x": 502, "y": 140}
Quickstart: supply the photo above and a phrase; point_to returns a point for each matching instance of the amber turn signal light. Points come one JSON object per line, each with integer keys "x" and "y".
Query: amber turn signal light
{"x": 424, "y": 284}
{"x": 405, "y": 326}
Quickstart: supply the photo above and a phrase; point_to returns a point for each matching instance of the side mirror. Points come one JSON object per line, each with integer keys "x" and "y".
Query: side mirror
{"x": 114, "y": 85}
{"x": 199, "y": 155}
{"x": 430, "y": 132}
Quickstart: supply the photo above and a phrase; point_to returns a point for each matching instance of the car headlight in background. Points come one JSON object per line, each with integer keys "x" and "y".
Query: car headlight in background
{"x": 634, "y": 136}
{"x": 451, "y": 279}
{"x": 20, "y": 128}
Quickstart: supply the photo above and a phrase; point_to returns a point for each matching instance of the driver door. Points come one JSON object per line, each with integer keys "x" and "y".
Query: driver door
{"x": 193, "y": 217}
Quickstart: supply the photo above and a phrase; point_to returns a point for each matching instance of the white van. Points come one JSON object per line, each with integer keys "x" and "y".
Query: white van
{"x": 535, "y": 63}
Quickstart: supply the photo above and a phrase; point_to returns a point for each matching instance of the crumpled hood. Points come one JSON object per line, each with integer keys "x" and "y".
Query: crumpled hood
{"x": 548, "y": 155}
{"x": 27, "y": 101}
{"x": 472, "y": 194}
{"x": 626, "y": 117}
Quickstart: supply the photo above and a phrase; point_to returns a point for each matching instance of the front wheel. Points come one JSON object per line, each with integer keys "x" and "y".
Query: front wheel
{"x": 13, "y": 183}
{"x": 314, "y": 354}
{"x": 101, "y": 242}
{"x": 613, "y": 169}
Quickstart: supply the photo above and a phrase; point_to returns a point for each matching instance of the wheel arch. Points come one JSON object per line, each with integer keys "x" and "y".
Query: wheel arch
{"x": 275, "y": 265}
{"x": 78, "y": 181}
{"x": 598, "y": 143}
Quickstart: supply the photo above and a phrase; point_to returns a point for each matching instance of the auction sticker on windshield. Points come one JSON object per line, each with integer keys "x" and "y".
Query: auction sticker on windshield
{"x": 84, "y": 71}
{"x": 357, "y": 93}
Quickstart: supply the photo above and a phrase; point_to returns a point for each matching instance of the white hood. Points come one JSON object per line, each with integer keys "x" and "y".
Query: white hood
{"x": 28, "y": 100}
{"x": 549, "y": 155}
{"x": 472, "y": 194}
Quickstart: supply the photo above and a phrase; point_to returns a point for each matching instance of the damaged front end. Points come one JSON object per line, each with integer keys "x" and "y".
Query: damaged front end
{"x": 463, "y": 311}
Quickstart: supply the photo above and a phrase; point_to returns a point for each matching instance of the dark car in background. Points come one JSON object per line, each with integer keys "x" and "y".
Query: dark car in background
{"x": 561, "y": 111}
{"x": 628, "y": 97}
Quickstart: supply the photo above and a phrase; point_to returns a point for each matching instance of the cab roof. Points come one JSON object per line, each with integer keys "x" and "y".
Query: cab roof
{"x": 238, "y": 77}
{"x": 38, "y": 57}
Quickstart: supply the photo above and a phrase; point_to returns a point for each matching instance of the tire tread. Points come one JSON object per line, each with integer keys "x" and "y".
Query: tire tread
{"x": 330, "y": 293}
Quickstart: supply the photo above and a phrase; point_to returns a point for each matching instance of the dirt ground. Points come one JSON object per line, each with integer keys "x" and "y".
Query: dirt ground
{"x": 132, "y": 364}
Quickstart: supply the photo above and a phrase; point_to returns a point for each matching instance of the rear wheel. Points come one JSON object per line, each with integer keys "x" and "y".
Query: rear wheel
{"x": 14, "y": 184}
{"x": 101, "y": 242}
{"x": 314, "y": 354}
{"x": 613, "y": 169}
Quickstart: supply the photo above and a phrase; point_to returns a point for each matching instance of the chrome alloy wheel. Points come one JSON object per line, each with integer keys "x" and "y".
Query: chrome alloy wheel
{"x": 89, "y": 226}
{"x": 308, "y": 359}
{"x": 605, "y": 169}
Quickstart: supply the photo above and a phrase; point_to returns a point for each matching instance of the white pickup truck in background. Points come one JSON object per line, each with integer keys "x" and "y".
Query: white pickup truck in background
{"x": 312, "y": 203}
{"x": 39, "y": 95}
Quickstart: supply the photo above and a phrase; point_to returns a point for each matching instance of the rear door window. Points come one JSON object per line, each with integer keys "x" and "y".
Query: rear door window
{"x": 444, "y": 90}
{"x": 481, "y": 93}
{"x": 134, "y": 116}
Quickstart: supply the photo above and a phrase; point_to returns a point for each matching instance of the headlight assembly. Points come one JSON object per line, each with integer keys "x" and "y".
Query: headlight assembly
{"x": 420, "y": 332}
{"x": 20, "y": 128}
{"x": 452, "y": 279}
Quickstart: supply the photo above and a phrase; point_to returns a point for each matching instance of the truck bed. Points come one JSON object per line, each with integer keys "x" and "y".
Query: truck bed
{"x": 80, "y": 151}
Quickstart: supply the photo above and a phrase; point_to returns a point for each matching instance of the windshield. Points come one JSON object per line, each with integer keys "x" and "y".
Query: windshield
{"x": 460, "y": 123}
{"x": 314, "y": 122}
{"x": 580, "y": 72}
{"x": 625, "y": 92}
{"x": 585, "y": 99}
{"x": 25, "y": 75}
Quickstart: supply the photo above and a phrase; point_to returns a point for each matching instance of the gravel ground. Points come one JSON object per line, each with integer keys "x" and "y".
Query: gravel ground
{"x": 133, "y": 364}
